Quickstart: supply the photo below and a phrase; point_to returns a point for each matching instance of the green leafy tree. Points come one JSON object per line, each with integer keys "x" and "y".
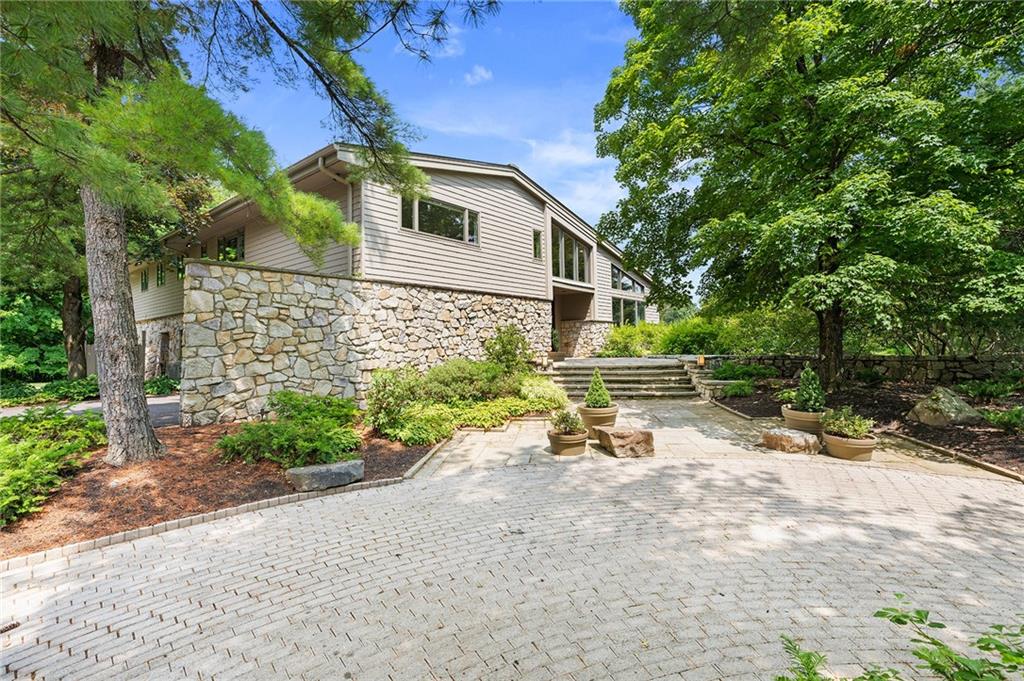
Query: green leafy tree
{"x": 862, "y": 160}
{"x": 102, "y": 95}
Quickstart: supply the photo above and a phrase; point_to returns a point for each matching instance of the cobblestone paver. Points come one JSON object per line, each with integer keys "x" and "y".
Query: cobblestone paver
{"x": 683, "y": 429}
{"x": 640, "y": 569}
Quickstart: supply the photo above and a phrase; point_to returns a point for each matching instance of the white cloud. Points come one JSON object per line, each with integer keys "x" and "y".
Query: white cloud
{"x": 478, "y": 74}
{"x": 571, "y": 148}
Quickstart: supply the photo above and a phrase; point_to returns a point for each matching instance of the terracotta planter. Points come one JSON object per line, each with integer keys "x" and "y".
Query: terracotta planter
{"x": 567, "y": 445}
{"x": 597, "y": 416}
{"x": 849, "y": 448}
{"x": 807, "y": 421}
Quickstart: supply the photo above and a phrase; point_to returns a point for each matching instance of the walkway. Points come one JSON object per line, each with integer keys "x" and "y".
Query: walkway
{"x": 683, "y": 429}
{"x": 589, "y": 570}
{"x": 164, "y": 410}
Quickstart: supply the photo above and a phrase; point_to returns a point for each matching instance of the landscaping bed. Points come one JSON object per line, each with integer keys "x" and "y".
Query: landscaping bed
{"x": 190, "y": 479}
{"x": 888, "y": 403}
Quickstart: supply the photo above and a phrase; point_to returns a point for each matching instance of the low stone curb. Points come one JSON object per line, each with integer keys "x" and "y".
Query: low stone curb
{"x": 138, "y": 533}
{"x": 733, "y": 411}
{"x": 416, "y": 467}
{"x": 990, "y": 467}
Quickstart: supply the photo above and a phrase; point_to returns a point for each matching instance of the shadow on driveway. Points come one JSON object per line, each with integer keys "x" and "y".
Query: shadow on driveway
{"x": 163, "y": 411}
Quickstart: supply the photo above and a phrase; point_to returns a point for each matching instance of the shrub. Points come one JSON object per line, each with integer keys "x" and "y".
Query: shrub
{"x": 1010, "y": 420}
{"x": 809, "y": 395}
{"x": 844, "y": 423}
{"x": 74, "y": 390}
{"x": 869, "y": 375}
{"x": 291, "y": 443}
{"x": 485, "y": 414}
{"x": 741, "y": 389}
{"x": 509, "y": 349}
{"x": 161, "y": 385}
{"x": 299, "y": 407}
{"x": 542, "y": 390}
{"x": 597, "y": 395}
{"x": 390, "y": 393}
{"x": 695, "y": 335}
{"x": 565, "y": 422}
{"x": 990, "y": 389}
{"x": 424, "y": 424}
{"x": 632, "y": 341}
{"x": 731, "y": 371}
{"x": 54, "y": 425}
{"x": 460, "y": 381}
{"x": 14, "y": 391}
{"x": 786, "y": 395}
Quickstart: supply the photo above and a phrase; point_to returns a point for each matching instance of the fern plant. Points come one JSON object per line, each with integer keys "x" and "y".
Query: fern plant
{"x": 597, "y": 395}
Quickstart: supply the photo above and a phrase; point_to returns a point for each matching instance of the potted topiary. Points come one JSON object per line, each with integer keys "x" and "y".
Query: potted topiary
{"x": 806, "y": 410}
{"x": 597, "y": 408}
{"x": 568, "y": 435}
{"x": 847, "y": 435}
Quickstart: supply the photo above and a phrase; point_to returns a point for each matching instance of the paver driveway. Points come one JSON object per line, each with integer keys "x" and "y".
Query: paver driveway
{"x": 641, "y": 569}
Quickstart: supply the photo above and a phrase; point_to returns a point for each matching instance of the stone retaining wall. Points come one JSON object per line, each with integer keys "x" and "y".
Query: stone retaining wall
{"x": 583, "y": 337}
{"x": 154, "y": 328}
{"x": 251, "y": 331}
{"x": 942, "y": 370}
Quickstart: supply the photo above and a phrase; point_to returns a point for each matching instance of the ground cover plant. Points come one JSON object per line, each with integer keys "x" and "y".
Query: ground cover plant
{"x": 732, "y": 371}
{"x": 61, "y": 390}
{"x": 1010, "y": 420}
{"x": 741, "y": 389}
{"x": 38, "y": 450}
{"x": 308, "y": 430}
{"x": 161, "y": 385}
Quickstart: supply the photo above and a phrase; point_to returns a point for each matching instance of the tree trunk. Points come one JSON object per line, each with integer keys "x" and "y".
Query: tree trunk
{"x": 830, "y": 345}
{"x": 118, "y": 355}
{"x": 73, "y": 327}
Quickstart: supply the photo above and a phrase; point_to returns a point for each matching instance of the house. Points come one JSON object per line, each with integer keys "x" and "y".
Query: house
{"x": 239, "y": 310}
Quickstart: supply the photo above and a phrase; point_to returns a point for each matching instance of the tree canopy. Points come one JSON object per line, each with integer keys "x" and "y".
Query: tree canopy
{"x": 860, "y": 159}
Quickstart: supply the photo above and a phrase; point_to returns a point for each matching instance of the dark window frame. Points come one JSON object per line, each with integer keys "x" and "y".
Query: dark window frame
{"x": 144, "y": 279}
{"x": 538, "y": 244}
{"x": 409, "y": 219}
{"x": 569, "y": 248}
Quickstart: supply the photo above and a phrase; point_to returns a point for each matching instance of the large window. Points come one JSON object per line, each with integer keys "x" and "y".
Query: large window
{"x": 441, "y": 219}
{"x": 231, "y": 247}
{"x": 570, "y": 258}
{"x": 624, "y": 282}
{"x": 626, "y": 311}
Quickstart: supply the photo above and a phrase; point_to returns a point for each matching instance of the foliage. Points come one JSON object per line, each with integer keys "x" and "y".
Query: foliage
{"x": 844, "y": 423}
{"x": 731, "y": 371}
{"x": 509, "y": 349}
{"x": 1002, "y": 649}
{"x": 809, "y": 395}
{"x": 786, "y": 395}
{"x": 31, "y": 346}
{"x": 694, "y": 335}
{"x": 597, "y": 395}
{"x": 38, "y": 449}
{"x": 341, "y": 411}
{"x": 14, "y": 391}
{"x": 992, "y": 388}
{"x": 459, "y": 381}
{"x": 72, "y": 390}
{"x": 1011, "y": 420}
{"x": 161, "y": 385}
{"x": 541, "y": 390}
{"x": 423, "y": 423}
{"x": 767, "y": 331}
{"x": 391, "y": 392}
{"x": 291, "y": 443}
{"x": 741, "y": 389}
{"x": 629, "y": 340}
{"x": 565, "y": 422}
{"x": 869, "y": 375}
{"x": 848, "y": 163}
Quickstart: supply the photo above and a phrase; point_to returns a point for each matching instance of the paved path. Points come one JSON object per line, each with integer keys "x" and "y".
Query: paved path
{"x": 163, "y": 411}
{"x": 583, "y": 570}
{"x": 683, "y": 429}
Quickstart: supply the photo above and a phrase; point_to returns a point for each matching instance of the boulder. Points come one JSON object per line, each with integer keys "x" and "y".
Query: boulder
{"x": 790, "y": 440}
{"x": 625, "y": 443}
{"x": 326, "y": 475}
{"x": 943, "y": 407}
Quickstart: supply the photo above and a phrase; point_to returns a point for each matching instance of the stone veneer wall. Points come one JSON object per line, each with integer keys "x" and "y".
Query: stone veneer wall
{"x": 943, "y": 370}
{"x": 251, "y": 331}
{"x": 583, "y": 337}
{"x": 151, "y": 352}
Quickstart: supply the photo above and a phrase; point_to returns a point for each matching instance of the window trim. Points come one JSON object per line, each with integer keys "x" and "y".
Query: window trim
{"x": 618, "y": 306}
{"x": 161, "y": 274}
{"x": 238, "y": 234}
{"x": 565, "y": 235}
{"x": 415, "y": 228}
{"x": 144, "y": 279}
{"x": 538, "y": 244}
{"x": 635, "y": 285}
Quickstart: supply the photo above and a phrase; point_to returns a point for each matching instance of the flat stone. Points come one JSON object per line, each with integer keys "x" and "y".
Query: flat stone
{"x": 944, "y": 407}
{"x": 325, "y": 476}
{"x": 626, "y": 443}
{"x": 790, "y": 440}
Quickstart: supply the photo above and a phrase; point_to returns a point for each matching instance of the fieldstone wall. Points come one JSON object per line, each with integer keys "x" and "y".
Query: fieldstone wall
{"x": 251, "y": 331}
{"x": 582, "y": 337}
{"x": 943, "y": 370}
{"x": 151, "y": 351}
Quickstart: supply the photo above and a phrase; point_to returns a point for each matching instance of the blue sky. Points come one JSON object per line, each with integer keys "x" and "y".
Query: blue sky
{"x": 521, "y": 88}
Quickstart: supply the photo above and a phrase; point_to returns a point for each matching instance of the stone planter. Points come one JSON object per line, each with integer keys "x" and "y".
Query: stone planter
{"x": 597, "y": 416}
{"x": 807, "y": 421}
{"x": 849, "y": 448}
{"x": 567, "y": 445}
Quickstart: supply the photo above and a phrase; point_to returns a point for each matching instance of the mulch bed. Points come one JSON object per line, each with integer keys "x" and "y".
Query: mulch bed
{"x": 101, "y": 499}
{"x": 888, "y": 403}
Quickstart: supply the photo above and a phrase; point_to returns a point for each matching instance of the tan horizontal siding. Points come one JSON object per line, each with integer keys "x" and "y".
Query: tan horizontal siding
{"x": 157, "y": 301}
{"x": 604, "y": 291}
{"x": 502, "y": 262}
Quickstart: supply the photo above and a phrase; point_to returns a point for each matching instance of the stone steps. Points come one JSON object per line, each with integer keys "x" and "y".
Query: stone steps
{"x": 625, "y": 379}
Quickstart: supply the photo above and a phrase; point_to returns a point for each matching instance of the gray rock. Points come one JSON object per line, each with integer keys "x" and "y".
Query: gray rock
{"x": 790, "y": 440}
{"x": 943, "y": 407}
{"x": 626, "y": 443}
{"x": 326, "y": 475}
